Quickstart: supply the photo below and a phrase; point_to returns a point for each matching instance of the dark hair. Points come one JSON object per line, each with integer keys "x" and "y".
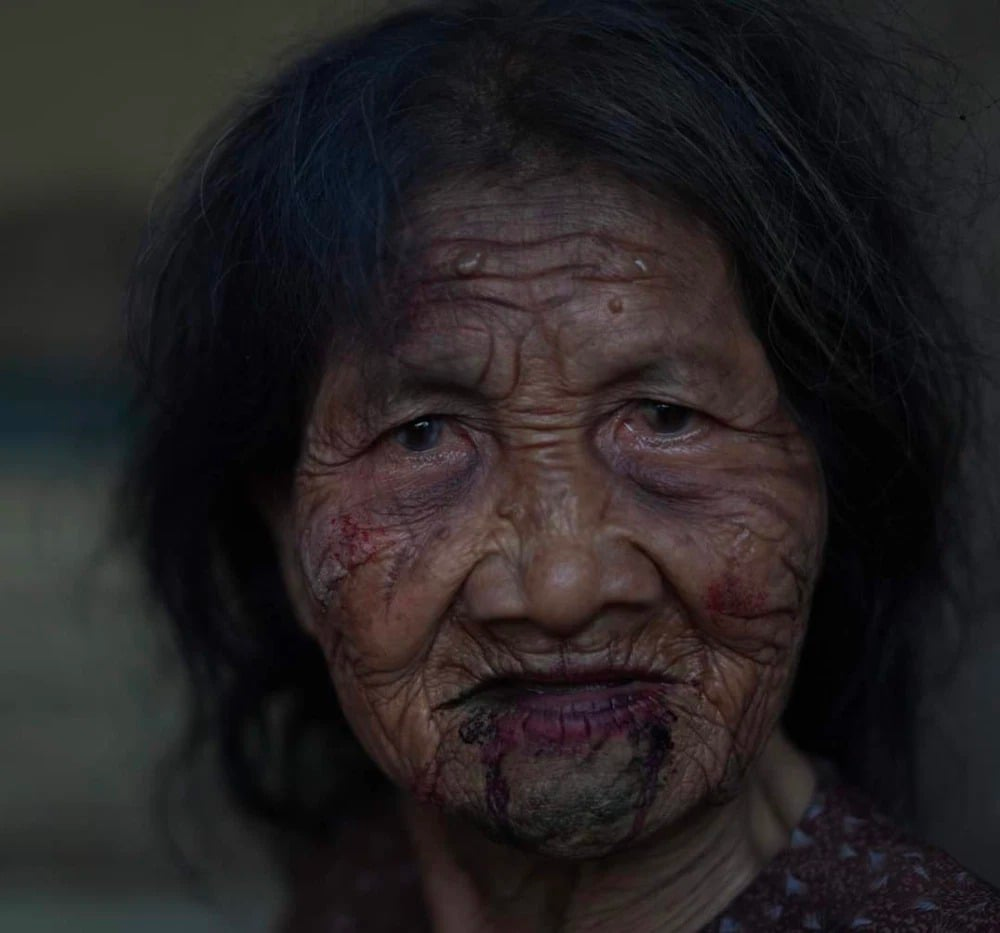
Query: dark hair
{"x": 772, "y": 121}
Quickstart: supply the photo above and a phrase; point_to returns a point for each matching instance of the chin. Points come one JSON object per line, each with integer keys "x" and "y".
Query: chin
{"x": 543, "y": 786}
{"x": 586, "y": 818}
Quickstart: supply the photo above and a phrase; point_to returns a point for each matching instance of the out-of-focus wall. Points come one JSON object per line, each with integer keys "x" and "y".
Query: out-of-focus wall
{"x": 98, "y": 100}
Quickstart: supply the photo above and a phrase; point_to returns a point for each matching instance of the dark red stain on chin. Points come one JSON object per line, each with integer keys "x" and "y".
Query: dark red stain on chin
{"x": 498, "y": 734}
{"x": 495, "y": 736}
{"x": 730, "y": 596}
{"x": 659, "y": 743}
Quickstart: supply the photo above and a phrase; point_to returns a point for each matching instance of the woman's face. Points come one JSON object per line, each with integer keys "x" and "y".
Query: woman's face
{"x": 559, "y": 544}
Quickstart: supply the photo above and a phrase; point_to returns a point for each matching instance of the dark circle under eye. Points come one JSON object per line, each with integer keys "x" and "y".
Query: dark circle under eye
{"x": 664, "y": 418}
{"x": 422, "y": 434}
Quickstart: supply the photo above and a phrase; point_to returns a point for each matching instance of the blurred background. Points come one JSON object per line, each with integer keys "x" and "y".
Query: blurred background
{"x": 98, "y": 100}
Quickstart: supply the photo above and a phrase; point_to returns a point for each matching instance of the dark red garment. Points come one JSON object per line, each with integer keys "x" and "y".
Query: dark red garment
{"x": 846, "y": 868}
{"x": 849, "y": 868}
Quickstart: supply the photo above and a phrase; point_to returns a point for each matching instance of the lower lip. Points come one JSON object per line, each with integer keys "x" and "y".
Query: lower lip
{"x": 571, "y": 715}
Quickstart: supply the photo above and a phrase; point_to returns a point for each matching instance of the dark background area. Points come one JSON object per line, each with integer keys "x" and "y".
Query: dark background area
{"x": 98, "y": 100}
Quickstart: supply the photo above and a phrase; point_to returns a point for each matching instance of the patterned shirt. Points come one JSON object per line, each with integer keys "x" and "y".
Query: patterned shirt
{"x": 846, "y": 868}
{"x": 849, "y": 868}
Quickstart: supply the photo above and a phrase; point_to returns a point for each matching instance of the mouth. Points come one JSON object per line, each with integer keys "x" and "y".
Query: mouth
{"x": 570, "y": 708}
{"x": 558, "y": 691}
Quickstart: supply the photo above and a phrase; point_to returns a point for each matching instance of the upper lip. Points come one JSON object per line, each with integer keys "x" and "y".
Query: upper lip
{"x": 565, "y": 676}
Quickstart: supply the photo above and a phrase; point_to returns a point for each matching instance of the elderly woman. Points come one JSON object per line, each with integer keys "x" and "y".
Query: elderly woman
{"x": 551, "y": 416}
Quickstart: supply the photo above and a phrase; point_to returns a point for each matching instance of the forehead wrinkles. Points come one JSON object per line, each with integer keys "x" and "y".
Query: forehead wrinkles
{"x": 528, "y": 248}
{"x": 573, "y": 283}
{"x": 556, "y": 296}
{"x": 608, "y": 234}
{"x": 477, "y": 348}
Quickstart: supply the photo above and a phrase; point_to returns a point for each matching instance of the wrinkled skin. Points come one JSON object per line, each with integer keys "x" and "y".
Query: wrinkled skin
{"x": 605, "y": 478}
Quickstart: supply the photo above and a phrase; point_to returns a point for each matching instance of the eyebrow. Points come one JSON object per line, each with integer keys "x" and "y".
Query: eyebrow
{"x": 661, "y": 370}
{"x": 437, "y": 385}
{"x": 431, "y": 383}
{"x": 390, "y": 386}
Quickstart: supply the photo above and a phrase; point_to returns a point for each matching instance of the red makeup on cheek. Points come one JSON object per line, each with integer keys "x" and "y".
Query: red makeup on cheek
{"x": 730, "y": 596}
{"x": 336, "y": 547}
{"x": 351, "y": 545}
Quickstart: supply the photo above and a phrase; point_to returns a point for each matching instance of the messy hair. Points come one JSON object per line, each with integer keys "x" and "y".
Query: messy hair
{"x": 773, "y": 122}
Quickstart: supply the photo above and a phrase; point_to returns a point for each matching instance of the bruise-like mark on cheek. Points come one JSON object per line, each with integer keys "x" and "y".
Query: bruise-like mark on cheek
{"x": 352, "y": 545}
{"x": 730, "y": 596}
{"x": 334, "y": 548}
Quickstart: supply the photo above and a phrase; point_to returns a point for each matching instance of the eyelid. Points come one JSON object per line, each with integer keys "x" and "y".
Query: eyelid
{"x": 669, "y": 403}
{"x": 652, "y": 400}
{"x": 407, "y": 410}
{"x": 398, "y": 426}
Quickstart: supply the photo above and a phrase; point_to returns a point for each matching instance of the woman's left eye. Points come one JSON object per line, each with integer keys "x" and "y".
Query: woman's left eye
{"x": 420, "y": 435}
{"x": 664, "y": 418}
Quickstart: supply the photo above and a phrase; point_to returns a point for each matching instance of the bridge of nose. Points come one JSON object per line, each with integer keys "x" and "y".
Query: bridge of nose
{"x": 562, "y": 560}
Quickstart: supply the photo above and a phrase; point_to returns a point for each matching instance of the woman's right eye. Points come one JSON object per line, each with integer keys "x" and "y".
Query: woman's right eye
{"x": 419, "y": 435}
{"x": 665, "y": 419}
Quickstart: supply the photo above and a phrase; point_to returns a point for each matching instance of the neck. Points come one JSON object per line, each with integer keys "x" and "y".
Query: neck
{"x": 677, "y": 880}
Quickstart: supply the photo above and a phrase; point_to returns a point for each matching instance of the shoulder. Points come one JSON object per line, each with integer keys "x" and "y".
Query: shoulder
{"x": 850, "y": 868}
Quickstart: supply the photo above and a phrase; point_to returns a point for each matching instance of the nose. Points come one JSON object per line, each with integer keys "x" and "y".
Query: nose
{"x": 560, "y": 564}
{"x": 561, "y": 583}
